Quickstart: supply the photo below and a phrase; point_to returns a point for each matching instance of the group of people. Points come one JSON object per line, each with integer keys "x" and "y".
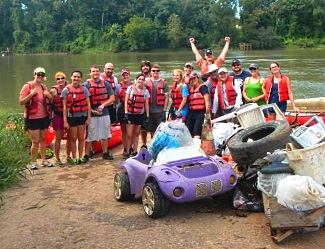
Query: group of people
{"x": 91, "y": 106}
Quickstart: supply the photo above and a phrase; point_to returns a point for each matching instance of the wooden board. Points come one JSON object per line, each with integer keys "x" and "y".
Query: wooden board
{"x": 308, "y": 105}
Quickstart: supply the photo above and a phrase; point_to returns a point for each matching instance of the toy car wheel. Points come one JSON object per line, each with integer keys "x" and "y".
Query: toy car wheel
{"x": 154, "y": 202}
{"x": 121, "y": 185}
{"x": 265, "y": 137}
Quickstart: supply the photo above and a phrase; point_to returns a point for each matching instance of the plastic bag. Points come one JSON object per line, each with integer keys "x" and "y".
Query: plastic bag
{"x": 172, "y": 134}
{"x": 300, "y": 194}
{"x": 267, "y": 183}
{"x": 221, "y": 132}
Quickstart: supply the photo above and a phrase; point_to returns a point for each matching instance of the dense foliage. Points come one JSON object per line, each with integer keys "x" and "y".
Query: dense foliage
{"x": 14, "y": 150}
{"x": 31, "y": 26}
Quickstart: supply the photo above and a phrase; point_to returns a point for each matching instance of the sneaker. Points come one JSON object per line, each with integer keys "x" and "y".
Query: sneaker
{"x": 69, "y": 160}
{"x": 107, "y": 156}
{"x": 86, "y": 158}
{"x": 83, "y": 159}
{"x": 125, "y": 155}
{"x": 74, "y": 161}
{"x": 144, "y": 146}
{"x": 34, "y": 166}
{"x": 58, "y": 162}
{"x": 134, "y": 153}
{"x": 46, "y": 164}
{"x": 131, "y": 151}
{"x": 91, "y": 154}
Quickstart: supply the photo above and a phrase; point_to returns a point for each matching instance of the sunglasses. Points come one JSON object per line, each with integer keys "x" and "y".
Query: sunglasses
{"x": 155, "y": 71}
{"x": 40, "y": 74}
{"x": 273, "y": 67}
{"x": 145, "y": 61}
{"x": 252, "y": 68}
{"x": 60, "y": 78}
{"x": 235, "y": 65}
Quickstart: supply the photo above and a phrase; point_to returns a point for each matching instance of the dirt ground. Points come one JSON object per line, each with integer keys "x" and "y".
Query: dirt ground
{"x": 74, "y": 207}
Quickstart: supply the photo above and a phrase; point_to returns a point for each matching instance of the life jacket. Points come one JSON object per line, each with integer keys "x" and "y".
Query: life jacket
{"x": 176, "y": 95}
{"x": 57, "y": 100}
{"x": 98, "y": 92}
{"x": 110, "y": 80}
{"x": 196, "y": 99}
{"x": 121, "y": 93}
{"x": 282, "y": 88}
{"x": 213, "y": 89}
{"x": 76, "y": 99}
{"x": 136, "y": 100}
{"x": 230, "y": 92}
{"x": 160, "y": 91}
{"x": 32, "y": 106}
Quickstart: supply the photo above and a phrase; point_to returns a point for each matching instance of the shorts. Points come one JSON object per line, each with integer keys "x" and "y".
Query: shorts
{"x": 154, "y": 121}
{"x": 120, "y": 114}
{"x": 136, "y": 119}
{"x": 112, "y": 113}
{"x": 76, "y": 121}
{"x": 194, "y": 122}
{"x": 282, "y": 106}
{"x": 99, "y": 128}
{"x": 57, "y": 122}
{"x": 37, "y": 124}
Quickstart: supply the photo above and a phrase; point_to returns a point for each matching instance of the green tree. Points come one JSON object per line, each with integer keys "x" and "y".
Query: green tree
{"x": 113, "y": 40}
{"x": 174, "y": 31}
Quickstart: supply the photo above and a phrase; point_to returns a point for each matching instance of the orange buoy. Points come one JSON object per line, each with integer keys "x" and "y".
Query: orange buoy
{"x": 207, "y": 141}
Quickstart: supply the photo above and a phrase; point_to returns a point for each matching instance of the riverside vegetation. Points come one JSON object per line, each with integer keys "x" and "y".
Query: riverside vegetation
{"x": 14, "y": 150}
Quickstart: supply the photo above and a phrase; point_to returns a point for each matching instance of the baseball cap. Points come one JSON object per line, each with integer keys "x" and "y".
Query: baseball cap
{"x": 222, "y": 70}
{"x": 208, "y": 52}
{"x": 189, "y": 64}
{"x": 235, "y": 61}
{"x": 125, "y": 71}
{"x": 193, "y": 76}
{"x": 39, "y": 70}
{"x": 253, "y": 65}
{"x": 212, "y": 68}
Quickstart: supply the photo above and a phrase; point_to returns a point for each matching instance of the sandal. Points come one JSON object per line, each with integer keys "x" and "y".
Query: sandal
{"x": 75, "y": 161}
{"x": 46, "y": 164}
{"x": 58, "y": 162}
{"x": 83, "y": 160}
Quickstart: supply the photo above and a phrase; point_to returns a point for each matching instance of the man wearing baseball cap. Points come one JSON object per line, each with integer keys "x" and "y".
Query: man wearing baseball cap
{"x": 238, "y": 73}
{"x": 188, "y": 69}
{"x": 208, "y": 58}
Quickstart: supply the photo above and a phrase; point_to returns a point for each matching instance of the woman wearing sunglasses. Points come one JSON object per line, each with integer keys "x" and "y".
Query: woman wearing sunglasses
{"x": 57, "y": 121}
{"x": 36, "y": 98}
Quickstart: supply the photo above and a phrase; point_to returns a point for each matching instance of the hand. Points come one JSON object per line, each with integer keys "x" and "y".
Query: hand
{"x": 296, "y": 109}
{"x": 126, "y": 118}
{"x": 227, "y": 39}
{"x": 146, "y": 120}
{"x": 192, "y": 40}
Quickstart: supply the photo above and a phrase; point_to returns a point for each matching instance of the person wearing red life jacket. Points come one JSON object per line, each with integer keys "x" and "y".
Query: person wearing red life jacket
{"x": 124, "y": 84}
{"x": 101, "y": 97}
{"x": 188, "y": 69}
{"x": 76, "y": 115}
{"x": 179, "y": 95}
{"x": 158, "y": 102}
{"x": 278, "y": 90}
{"x": 199, "y": 103}
{"x": 112, "y": 80}
{"x": 212, "y": 83}
{"x": 36, "y": 98}
{"x": 57, "y": 119}
{"x": 209, "y": 58}
{"x": 136, "y": 112}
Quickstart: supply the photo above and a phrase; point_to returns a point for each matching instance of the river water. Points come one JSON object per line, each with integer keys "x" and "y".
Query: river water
{"x": 305, "y": 67}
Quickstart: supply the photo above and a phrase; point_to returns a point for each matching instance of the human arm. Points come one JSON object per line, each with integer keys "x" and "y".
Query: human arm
{"x": 65, "y": 114}
{"x": 110, "y": 100}
{"x": 247, "y": 99}
{"x": 166, "y": 96}
{"x": 239, "y": 95}
{"x": 26, "y": 94}
{"x": 291, "y": 97}
{"x": 88, "y": 111}
{"x": 222, "y": 57}
{"x": 195, "y": 50}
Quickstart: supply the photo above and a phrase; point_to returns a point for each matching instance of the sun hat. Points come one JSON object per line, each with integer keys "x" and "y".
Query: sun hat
{"x": 59, "y": 74}
{"x": 39, "y": 70}
{"x": 222, "y": 70}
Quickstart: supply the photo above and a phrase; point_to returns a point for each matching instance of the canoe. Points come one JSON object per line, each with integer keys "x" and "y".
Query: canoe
{"x": 309, "y": 105}
{"x": 302, "y": 118}
{"x": 115, "y": 139}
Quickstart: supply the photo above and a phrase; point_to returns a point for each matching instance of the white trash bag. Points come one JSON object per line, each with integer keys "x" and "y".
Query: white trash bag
{"x": 300, "y": 194}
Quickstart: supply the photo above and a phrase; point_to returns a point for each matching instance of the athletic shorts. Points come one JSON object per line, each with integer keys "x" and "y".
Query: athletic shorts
{"x": 57, "y": 122}
{"x": 136, "y": 119}
{"x": 120, "y": 114}
{"x": 99, "y": 128}
{"x": 194, "y": 122}
{"x": 282, "y": 106}
{"x": 76, "y": 121}
{"x": 37, "y": 124}
{"x": 154, "y": 121}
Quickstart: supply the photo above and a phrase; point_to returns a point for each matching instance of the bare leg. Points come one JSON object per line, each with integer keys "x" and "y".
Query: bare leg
{"x": 81, "y": 139}
{"x": 42, "y": 144}
{"x": 57, "y": 144}
{"x": 73, "y": 141}
{"x": 35, "y": 137}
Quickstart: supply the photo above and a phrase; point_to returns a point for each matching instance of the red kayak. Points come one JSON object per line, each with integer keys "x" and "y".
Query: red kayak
{"x": 115, "y": 139}
{"x": 302, "y": 118}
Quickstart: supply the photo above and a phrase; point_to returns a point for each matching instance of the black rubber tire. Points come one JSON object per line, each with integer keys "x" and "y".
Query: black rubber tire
{"x": 267, "y": 137}
{"x": 154, "y": 203}
{"x": 121, "y": 186}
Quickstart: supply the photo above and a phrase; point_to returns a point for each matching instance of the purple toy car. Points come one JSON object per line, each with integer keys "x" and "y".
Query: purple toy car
{"x": 182, "y": 180}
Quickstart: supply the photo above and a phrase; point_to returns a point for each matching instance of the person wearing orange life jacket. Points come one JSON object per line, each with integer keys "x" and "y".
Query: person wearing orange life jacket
{"x": 101, "y": 97}
{"x": 35, "y": 96}
{"x": 229, "y": 96}
{"x": 209, "y": 59}
{"x": 136, "y": 112}
{"x": 179, "y": 95}
{"x": 158, "y": 102}
{"x": 57, "y": 119}
{"x": 278, "y": 90}
{"x": 124, "y": 84}
{"x": 112, "y": 80}
{"x": 212, "y": 83}
{"x": 199, "y": 103}
{"x": 76, "y": 115}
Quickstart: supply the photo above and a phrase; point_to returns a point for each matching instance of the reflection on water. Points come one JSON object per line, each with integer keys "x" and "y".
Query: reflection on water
{"x": 303, "y": 66}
